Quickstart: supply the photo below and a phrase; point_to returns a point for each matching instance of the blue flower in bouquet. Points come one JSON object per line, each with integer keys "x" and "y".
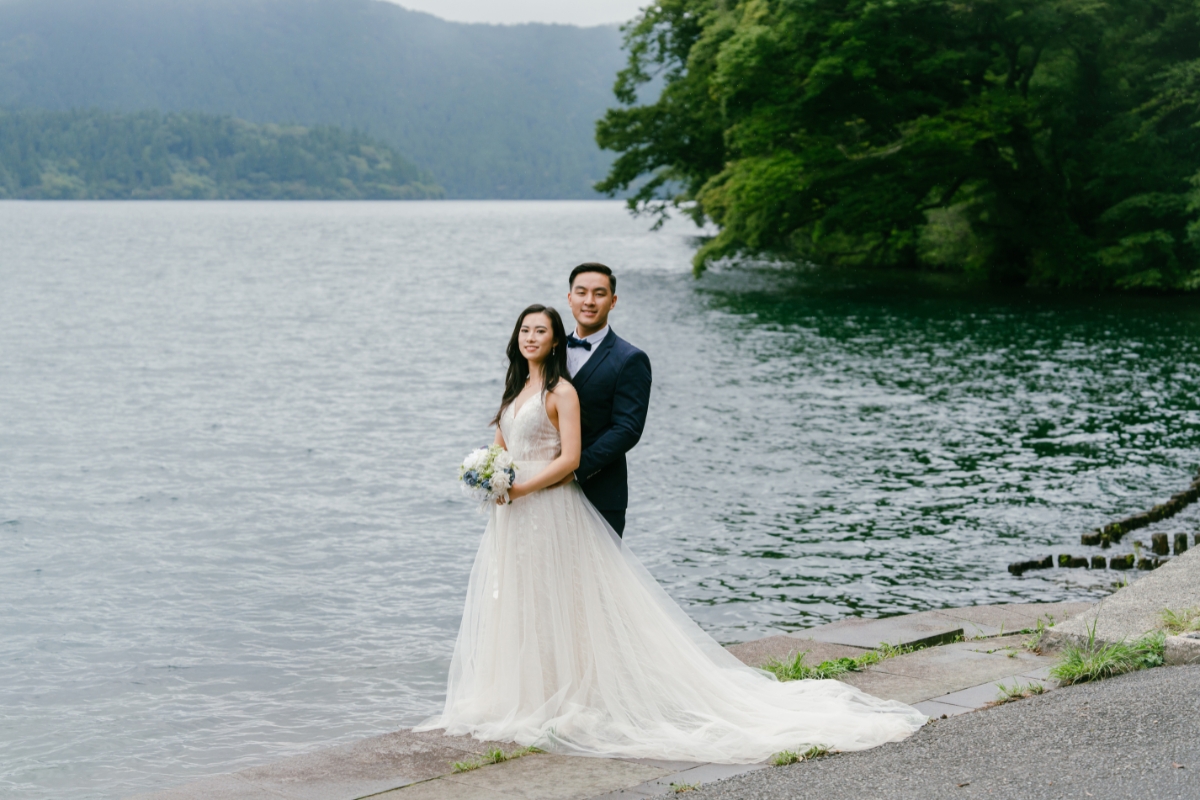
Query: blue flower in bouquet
{"x": 487, "y": 474}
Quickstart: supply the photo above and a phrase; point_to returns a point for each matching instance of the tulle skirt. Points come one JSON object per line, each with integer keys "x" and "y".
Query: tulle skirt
{"x": 568, "y": 644}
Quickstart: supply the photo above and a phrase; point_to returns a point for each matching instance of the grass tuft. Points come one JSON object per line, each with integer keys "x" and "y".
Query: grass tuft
{"x": 797, "y": 670}
{"x": 892, "y": 650}
{"x": 1094, "y": 661}
{"x": 786, "y": 757}
{"x": 1017, "y": 692}
{"x": 1034, "y": 642}
{"x": 1179, "y": 622}
{"x": 680, "y": 788}
{"x": 493, "y": 756}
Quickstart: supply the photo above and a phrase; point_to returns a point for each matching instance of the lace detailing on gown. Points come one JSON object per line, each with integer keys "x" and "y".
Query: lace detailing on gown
{"x": 569, "y": 644}
{"x": 528, "y": 432}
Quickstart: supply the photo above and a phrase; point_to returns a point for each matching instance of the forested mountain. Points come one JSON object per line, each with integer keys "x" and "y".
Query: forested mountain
{"x": 490, "y": 111}
{"x": 104, "y": 155}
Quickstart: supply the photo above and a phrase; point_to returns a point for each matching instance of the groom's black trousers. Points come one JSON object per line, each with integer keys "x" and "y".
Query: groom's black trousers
{"x": 616, "y": 519}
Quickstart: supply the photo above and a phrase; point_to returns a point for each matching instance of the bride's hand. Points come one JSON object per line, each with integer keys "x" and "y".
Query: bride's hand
{"x": 514, "y": 493}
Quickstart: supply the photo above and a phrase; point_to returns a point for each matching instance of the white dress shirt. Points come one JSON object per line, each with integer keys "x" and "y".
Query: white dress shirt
{"x": 577, "y": 356}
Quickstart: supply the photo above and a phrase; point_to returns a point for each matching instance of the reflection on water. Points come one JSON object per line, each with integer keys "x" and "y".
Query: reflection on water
{"x": 909, "y": 440}
{"x": 229, "y": 522}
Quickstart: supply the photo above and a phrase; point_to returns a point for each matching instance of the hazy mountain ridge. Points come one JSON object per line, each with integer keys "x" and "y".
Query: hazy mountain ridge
{"x": 490, "y": 111}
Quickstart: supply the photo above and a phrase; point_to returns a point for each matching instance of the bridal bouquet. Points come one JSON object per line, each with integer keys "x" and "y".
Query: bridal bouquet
{"x": 487, "y": 474}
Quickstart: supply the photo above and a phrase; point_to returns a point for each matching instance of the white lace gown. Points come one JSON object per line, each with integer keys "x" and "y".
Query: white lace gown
{"x": 569, "y": 644}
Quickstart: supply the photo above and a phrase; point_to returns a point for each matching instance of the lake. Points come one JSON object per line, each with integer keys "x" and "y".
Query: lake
{"x": 229, "y": 520}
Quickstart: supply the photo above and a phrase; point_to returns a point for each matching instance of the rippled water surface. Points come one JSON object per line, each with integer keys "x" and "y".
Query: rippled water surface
{"x": 229, "y": 529}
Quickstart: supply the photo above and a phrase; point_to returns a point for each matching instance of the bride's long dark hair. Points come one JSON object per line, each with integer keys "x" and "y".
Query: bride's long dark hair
{"x": 554, "y": 368}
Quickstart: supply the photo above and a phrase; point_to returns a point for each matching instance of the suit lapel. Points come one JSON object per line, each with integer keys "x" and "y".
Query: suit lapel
{"x": 602, "y": 351}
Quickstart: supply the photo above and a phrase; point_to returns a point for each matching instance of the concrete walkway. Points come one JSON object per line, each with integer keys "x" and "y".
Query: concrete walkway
{"x": 1137, "y": 608}
{"x": 961, "y": 673}
{"x": 1132, "y": 737}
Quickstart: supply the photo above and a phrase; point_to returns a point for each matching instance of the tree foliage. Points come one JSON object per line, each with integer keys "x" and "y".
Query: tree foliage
{"x": 1050, "y": 142}
{"x": 105, "y": 155}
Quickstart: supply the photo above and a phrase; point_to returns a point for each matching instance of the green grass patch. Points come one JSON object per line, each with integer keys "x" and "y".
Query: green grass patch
{"x": 1017, "y": 692}
{"x": 1034, "y": 642}
{"x": 786, "y": 757}
{"x": 797, "y": 670}
{"x": 493, "y": 756}
{"x": 680, "y": 788}
{"x": 1179, "y": 622}
{"x": 1094, "y": 661}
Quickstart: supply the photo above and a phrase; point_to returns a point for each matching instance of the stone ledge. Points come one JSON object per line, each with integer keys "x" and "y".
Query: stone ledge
{"x": 925, "y": 629}
{"x": 784, "y": 648}
{"x": 1181, "y": 650}
{"x": 696, "y": 776}
{"x": 929, "y": 628}
{"x": 1136, "y": 609}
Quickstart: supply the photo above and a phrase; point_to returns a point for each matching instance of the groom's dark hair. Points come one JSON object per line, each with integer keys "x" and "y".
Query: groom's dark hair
{"x": 592, "y": 266}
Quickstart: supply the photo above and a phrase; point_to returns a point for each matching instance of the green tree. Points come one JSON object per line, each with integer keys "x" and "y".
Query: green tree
{"x": 1051, "y": 143}
{"x": 106, "y": 155}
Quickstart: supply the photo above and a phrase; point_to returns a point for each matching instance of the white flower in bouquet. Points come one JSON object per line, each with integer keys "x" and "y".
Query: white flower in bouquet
{"x": 475, "y": 460}
{"x": 487, "y": 474}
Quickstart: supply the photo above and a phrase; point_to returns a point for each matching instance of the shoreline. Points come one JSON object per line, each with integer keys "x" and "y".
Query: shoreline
{"x": 963, "y": 655}
{"x": 950, "y": 663}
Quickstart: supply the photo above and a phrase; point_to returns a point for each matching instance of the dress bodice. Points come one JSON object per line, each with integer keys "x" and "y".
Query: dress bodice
{"x": 528, "y": 433}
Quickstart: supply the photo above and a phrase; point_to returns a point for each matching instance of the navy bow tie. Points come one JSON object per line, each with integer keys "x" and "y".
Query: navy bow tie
{"x": 573, "y": 342}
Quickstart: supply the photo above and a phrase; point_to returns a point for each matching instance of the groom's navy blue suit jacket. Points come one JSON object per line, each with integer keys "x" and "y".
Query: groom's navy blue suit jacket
{"x": 614, "y": 395}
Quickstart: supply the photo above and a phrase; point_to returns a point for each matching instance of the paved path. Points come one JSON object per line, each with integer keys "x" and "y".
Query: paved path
{"x": 946, "y": 680}
{"x": 1118, "y": 739}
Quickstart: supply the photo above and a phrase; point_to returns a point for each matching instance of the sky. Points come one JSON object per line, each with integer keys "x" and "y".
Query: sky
{"x": 569, "y": 12}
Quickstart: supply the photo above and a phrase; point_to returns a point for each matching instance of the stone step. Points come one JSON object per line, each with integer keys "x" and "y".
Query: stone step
{"x": 540, "y": 777}
{"x": 935, "y": 672}
{"x": 366, "y": 767}
{"x": 928, "y": 628}
{"x": 784, "y": 648}
{"x": 1136, "y": 609}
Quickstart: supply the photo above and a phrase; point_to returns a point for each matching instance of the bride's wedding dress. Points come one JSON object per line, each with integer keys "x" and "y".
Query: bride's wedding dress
{"x": 569, "y": 644}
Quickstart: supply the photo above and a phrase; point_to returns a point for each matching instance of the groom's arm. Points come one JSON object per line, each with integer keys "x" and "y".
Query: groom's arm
{"x": 630, "y": 404}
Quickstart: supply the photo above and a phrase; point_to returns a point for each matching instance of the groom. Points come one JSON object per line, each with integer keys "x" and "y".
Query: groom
{"x": 612, "y": 378}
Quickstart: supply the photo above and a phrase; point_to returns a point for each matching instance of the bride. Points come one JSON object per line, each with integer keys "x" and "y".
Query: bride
{"x": 569, "y": 644}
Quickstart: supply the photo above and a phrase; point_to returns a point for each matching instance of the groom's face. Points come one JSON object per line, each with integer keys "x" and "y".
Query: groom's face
{"x": 591, "y": 299}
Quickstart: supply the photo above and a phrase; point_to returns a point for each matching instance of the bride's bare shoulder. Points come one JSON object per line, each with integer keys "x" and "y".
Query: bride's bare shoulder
{"x": 564, "y": 390}
{"x": 563, "y": 394}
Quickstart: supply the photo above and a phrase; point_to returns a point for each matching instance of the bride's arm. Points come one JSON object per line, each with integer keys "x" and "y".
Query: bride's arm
{"x": 499, "y": 438}
{"x": 562, "y": 403}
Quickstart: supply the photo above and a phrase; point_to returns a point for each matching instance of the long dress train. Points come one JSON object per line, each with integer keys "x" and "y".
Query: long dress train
{"x": 569, "y": 644}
